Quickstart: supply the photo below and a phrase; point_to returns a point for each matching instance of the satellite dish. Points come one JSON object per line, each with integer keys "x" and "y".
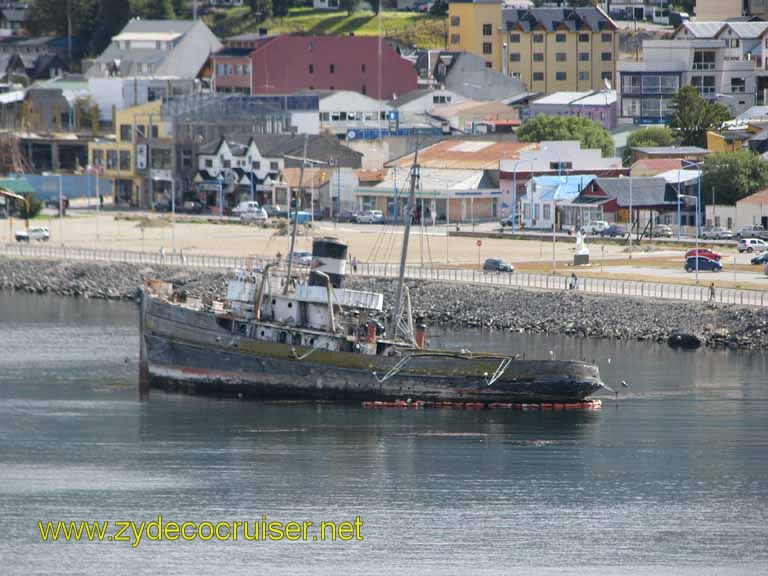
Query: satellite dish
{"x": 607, "y": 84}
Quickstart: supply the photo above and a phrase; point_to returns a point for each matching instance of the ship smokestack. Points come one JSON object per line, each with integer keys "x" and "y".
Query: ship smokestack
{"x": 329, "y": 256}
{"x": 421, "y": 335}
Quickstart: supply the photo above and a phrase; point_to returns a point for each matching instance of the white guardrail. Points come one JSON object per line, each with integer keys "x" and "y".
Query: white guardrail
{"x": 606, "y": 286}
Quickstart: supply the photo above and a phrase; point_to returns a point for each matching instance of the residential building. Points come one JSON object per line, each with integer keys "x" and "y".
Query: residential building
{"x": 13, "y": 19}
{"x": 549, "y": 49}
{"x": 599, "y": 106}
{"x": 449, "y": 194}
{"x": 654, "y": 166}
{"x": 544, "y": 197}
{"x": 177, "y": 48}
{"x": 611, "y": 199}
{"x": 314, "y": 191}
{"x": 730, "y": 9}
{"x": 137, "y": 157}
{"x": 114, "y": 93}
{"x": 691, "y": 153}
{"x": 726, "y": 61}
{"x": 466, "y": 74}
{"x": 550, "y": 158}
{"x": 749, "y": 211}
{"x": 288, "y": 64}
{"x": 473, "y": 117}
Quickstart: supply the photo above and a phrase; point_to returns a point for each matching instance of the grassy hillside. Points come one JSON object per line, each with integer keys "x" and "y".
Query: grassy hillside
{"x": 414, "y": 28}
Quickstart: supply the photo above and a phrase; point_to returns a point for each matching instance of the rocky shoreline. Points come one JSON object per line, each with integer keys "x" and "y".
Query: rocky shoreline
{"x": 443, "y": 304}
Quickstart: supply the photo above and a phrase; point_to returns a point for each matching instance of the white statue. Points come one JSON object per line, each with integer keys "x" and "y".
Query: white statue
{"x": 581, "y": 245}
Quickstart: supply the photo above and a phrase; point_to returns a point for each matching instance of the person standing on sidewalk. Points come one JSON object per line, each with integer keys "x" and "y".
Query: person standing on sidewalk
{"x": 712, "y": 292}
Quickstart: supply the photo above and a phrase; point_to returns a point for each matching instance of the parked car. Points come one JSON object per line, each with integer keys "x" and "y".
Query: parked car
{"x": 705, "y": 252}
{"x": 754, "y": 231}
{"x": 497, "y": 265}
{"x": 303, "y": 217}
{"x": 705, "y": 264}
{"x": 751, "y": 245}
{"x": 595, "y": 227}
{"x": 245, "y": 207}
{"x": 192, "y": 207}
{"x": 761, "y": 258}
{"x": 614, "y": 231}
{"x": 274, "y": 211}
{"x": 717, "y": 233}
{"x": 302, "y": 258}
{"x": 662, "y": 231}
{"x": 347, "y": 216}
{"x": 256, "y": 216}
{"x": 163, "y": 205}
{"x": 39, "y": 233}
{"x": 371, "y": 217}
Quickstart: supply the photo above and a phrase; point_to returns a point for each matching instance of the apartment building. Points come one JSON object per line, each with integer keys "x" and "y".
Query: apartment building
{"x": 726, "y": 61}
{"x": 549, "y": 49}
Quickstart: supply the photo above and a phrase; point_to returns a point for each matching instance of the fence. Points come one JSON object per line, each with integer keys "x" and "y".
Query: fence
{"x": 388, "y": 270}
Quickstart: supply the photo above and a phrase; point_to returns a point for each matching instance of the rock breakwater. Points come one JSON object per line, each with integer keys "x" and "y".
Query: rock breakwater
{"x": 444, "y": 304}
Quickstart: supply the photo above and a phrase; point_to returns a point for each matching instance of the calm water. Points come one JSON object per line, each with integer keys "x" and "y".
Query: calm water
{"x": 671, "y": 479}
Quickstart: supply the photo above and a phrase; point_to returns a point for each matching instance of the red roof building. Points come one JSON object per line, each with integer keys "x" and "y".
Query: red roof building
{"x": 291, "y": 63}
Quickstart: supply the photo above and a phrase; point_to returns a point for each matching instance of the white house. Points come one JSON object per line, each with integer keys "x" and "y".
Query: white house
{"x": 544, "y": 194}
{"x": 344, "y": 111}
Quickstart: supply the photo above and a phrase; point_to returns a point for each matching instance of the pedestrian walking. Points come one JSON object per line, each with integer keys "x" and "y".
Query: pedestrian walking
{"x": 354, "y": 264}
{"x": 574, "y": 281}
{"x": 712, "y": 292}
{"x": 162, "y": 254}
{"x": 181, "y": 256}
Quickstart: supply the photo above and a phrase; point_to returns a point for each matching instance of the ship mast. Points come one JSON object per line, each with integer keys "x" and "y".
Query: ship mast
{"x": 404, "y": 254}
{"x": 295, "y": 216}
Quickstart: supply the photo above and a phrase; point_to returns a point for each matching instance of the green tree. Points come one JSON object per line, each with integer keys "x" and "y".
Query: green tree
{"x": 110, "y": 17}
{"x": 694, "y": 115}
{"x": 589, "y": 133}
{"x": 732, "y": 176}
{"x": 261, "y": 9}
{"x": 348, "y": 5}
{"x": 180, "y": 8}
{"x": 282, "y": 7}
{"x": 35, "y": 206}
{"x": 52, "y": 16}
{"x": 653, "y": 136}
{"x": 154, "y": 9}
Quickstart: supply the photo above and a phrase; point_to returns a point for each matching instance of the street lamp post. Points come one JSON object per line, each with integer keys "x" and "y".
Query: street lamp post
{"x": 61, "y": 210}
{"x": 683, "y": 164}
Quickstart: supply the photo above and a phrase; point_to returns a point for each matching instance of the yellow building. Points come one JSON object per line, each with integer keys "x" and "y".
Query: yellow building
{"x": 550, "y": 49}
{"x": 138, "y": 174}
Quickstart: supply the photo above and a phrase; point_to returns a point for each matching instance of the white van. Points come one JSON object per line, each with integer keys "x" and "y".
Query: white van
{"x": 246, "y": 207}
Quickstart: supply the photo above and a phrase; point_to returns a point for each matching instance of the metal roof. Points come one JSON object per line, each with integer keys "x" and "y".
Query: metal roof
{"x": 703, "y": 29}
{"x": 561, "y": 188}
{"x": 645, "y": 191}
{"x": 747, "y": 29}
{"x": 667, "y": 150}
{"x": 433, "y": 180}
{"x": 466, "y": 154}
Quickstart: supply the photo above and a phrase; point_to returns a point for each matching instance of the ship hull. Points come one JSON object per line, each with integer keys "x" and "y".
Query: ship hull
{"x": 189, "y": 351}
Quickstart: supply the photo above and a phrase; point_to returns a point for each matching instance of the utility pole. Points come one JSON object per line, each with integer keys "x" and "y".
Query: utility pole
{"x": 69, "y": 30}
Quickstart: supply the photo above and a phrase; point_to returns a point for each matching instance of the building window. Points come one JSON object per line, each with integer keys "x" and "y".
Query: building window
{"x": 246, "y": 69}
{"x": 583, "y": 56}
{"x": 538, "y": 76}
{"x": 488, "y": 64}
{"x": 362, "y": 68}
{"x": 630, "y": 107}
{"x": 514, "y": 57}
{"x": 125, "y": 132}
{"x": 738, "y": 85}
{"x": 111, "y": 159}
{"x": 547, "y": 211}
{"x": 561, "y": 57}
{"x": 324, "y": 116}
{"x": 704, "y": 84}
{"x": 311, "y": 68}
{"x": 704, "y": 60}
{"x": 455, "y": 21}
{"x": 455, "y": 39}
{"x": 606, "y": 76}
{"x": 561, "y": 76}
{"x": 256, "y": 165}
{"x": 487, "y": 48}
{"x": 227, "y": 163}
{"x": 538, "y": 38}
{"x": 487, "y": 29}
{"x": 515, "y": 38}
{"x": 559, "y": 38}
{"x": 538, "y": 56}
{"x": 125, "y": 160}
{"x": 209, "y": 163}
{"x": 606, "y": 36}
{"x": 583, "y": 37}
{"x": 516, "y": 75}
{"x": 733, "y": 42}
{"x": 606, "y": 56}
{"x": 274, "y": 166}
{"x": 560, "y": 166}
{"x": 98, "y": 157}
{"x": 364, "y": 90}
{"x": 583, "y": 76}
{"x": 332, "y": 68}
{"x": 630, "y": 84}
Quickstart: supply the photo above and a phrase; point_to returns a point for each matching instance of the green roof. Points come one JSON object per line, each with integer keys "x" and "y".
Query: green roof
{"x": 16, "y": 185}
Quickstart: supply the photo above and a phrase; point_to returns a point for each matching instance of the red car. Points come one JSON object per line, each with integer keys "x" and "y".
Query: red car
{"x": 705, "y": 252}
